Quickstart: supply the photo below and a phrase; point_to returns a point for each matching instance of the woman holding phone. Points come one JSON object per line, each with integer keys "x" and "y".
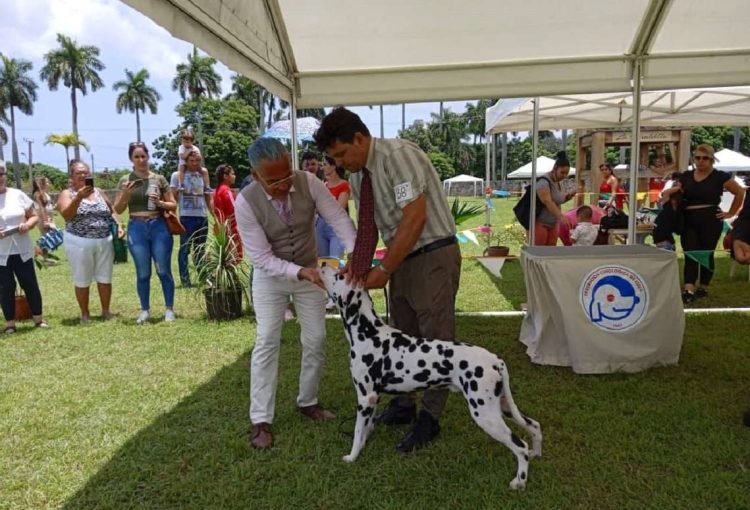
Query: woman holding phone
{"x": 17, "y": 217}
{"x": 145, "y": 195}
{"x": 88, "y": 215}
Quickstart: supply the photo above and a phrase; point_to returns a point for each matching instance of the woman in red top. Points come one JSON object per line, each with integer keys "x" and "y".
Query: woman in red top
{"x": 328, "y": 243}
{"x": 610, "y": 191}
{"x": 224, "y": 201}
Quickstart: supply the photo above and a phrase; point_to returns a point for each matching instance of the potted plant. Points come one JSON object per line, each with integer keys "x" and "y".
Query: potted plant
{"x": 221, "y": 275}
{"x": 499, "y": 239}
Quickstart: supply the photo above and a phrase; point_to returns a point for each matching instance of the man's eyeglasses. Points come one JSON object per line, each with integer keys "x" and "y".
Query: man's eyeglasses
{"x": 274, "y": 183}
{"x": 703, "y": 158}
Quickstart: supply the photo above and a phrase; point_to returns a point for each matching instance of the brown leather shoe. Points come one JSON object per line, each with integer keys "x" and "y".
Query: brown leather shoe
{"x": 261, "y": 436}
{"x": 316, "y": 412}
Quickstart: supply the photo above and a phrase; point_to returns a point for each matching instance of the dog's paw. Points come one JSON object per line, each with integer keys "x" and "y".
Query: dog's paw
{"x": 535, "y": 454}
{"x": 349, "y": 458}
{"x": 517, "y": 485}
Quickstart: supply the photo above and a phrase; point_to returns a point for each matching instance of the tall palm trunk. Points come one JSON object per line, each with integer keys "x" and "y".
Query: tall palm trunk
{"x": 14, "y": 148}
{"x": 77, "y": 148}
{"x": 67, "y": 157}
{"x": 138, "y": 125}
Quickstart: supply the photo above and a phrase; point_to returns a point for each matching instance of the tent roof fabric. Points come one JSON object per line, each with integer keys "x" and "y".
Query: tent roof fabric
{"x": 543, "y": 166}
{"x": 463, "y": 178}
{"x": 731, "y": 161}
{"x": 687, "y": 107}
{"x": 332, "y": 52}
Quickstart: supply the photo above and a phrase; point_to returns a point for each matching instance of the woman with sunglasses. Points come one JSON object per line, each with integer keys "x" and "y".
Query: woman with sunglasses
{"x": 17, "y": 217}
{"x": 702, "y": 189}
{"x": 145, "y": 195}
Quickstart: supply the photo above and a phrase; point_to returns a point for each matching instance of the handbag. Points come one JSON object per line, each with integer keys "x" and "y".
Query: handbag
{"x": 174, "y": 225}
{"x": 51, "y": 240}
{"x": 522, "y": 209}
{"x": 119, "y": 244}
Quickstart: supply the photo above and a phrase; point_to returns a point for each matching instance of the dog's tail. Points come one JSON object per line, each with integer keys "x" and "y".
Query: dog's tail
{"x": 510, "y": 410}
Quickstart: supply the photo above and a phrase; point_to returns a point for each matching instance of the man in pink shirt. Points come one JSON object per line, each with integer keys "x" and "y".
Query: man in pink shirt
{"x": 275, "y": 218}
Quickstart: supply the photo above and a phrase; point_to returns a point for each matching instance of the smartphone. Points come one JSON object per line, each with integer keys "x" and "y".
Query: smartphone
{"x": 89, "y": 181}
{"x": 137, "y": 183}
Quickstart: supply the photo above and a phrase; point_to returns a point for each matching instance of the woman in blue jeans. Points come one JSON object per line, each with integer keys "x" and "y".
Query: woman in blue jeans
{"x": 145, "y": 195}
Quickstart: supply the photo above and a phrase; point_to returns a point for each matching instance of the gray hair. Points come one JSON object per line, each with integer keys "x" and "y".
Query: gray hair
{"x": 265, "y": 148}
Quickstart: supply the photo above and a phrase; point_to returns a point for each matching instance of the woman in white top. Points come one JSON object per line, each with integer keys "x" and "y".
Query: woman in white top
{"x": 17, "y": 217}
{"x": 45, "y": 209}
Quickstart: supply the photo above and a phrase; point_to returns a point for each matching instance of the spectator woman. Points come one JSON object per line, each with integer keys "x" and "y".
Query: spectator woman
{"x": 610, "y": 191}
{"x": 145, "y": 195}
{"x": 224, "y": 202}
{"x": 17, "y": 217}
{"x": 88, "y": 238}
{"x": 328, "y": 244}
{"x": 552, "y": 194}
{"x": 44, "y": 207}
{"x": 702, "y": 189}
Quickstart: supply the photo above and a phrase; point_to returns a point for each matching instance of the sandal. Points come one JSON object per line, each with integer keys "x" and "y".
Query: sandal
{"x": 41, "y": 324}
{"x": 10, "y": 330}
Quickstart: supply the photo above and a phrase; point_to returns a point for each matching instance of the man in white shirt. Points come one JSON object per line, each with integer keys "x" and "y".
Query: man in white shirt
{"x": 275, "y": 218}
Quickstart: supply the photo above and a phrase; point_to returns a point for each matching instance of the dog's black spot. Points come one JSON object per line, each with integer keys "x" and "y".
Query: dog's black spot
{"x": 528, "y": 420}
{"x": 426, "y": 348}
{"x": 376, "y": 370}
{"x": 367, "y": 421}
{"x": 517, "y": 440}
{"x": 362, "y": 389}
{"x": 421, "y": 363}
{"x": 480, "y": 401}
{"x": 367, "y": 411}
{"x": 473, "y": 385}
{"x": 367, "y": 359}
{"x": 367, "y": 378}
{"x": 463, "y": 364}
{"x": 352, "y": 354}
{"x": 472, "y": 403}
{"x": 523, "y": 475}
{"x": 440, "y": 349}
{"x": 376, "y": 342}
{"x": 387, "y": 363}
{"x": 444, "y": 368}
{"x": 420, "y": 341}
{"x": 479, "y": 372}
{"x": 399, "y": 340}
{"x": 412, "y": 348}
{"x": 361, "y": 337}
{"x": 448, "y": 353}
{"x": 468, "y": 374}
{"x": 526, "y": 458}
{"x": 367, "y": 328}
{"x": 476, "y": 414}
{"x": 508, "y": 414}
{"x": 495, "y": 368}
{"x": 422, "y": 376}
{"x": 399, "y": 365}
{"x": 465, "y": 386}
{"x": 498, "y": 388}
{"x": 386, "y": 347}
{"x": 378, "y": 323}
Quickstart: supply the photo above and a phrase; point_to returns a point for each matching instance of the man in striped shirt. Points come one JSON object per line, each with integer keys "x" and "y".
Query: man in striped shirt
{"x": 423, "y": 262}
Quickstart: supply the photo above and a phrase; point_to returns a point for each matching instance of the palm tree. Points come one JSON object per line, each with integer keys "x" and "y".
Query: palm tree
{"x": 137, "y": 95}
{"x": 196, "y": 78}
{"x": 67, "y": 140}
{"x": 77, "y": 67}
{"x": 17, "y": 90}
{"x": 3, "y": 141}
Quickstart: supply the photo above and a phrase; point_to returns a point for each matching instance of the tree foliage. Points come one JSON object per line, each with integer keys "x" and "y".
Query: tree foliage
{"x": 229, "y": 127}
{"x": 197, "y": 77}
{"x": 136, "y": 96}
{"x": 17, "y": 91}
{"x": 67, "y": 141}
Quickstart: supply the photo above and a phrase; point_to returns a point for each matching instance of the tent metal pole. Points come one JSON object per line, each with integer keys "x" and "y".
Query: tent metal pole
{"x": 487, "y": 148}
{"x": 635, "y": 150}
{"x": 293, "y": 115}
{"x": 504, "y": 159}
{"x": 534, "y": 150}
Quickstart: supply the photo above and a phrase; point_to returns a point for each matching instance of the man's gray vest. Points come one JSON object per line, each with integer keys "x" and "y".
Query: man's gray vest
{"x": 295, "y": 242}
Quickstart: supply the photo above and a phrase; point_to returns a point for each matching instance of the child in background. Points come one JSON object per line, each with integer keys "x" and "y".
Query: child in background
{"x": 585, "y": 232}
{"x": 186, "y": 147}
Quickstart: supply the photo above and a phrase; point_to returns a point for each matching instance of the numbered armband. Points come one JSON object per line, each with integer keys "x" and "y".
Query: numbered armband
{"x": 403, "y": 192}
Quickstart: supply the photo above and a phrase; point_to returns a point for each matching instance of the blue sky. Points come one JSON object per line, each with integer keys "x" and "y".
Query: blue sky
{"x": 127, "y": 40}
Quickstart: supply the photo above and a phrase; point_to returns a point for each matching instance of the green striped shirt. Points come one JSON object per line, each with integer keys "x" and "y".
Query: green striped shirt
{"x": 401, "y": 172}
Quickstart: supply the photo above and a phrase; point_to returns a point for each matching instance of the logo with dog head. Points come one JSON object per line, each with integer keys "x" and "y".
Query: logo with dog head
{"x": 614, "y": 298}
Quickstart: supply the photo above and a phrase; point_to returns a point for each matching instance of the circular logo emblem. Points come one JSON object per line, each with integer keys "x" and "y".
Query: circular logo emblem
{"x": 614, "y": 298}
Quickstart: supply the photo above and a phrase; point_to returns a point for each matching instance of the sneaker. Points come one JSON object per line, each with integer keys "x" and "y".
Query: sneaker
{"x": 288, "y": 315}
{"x": 425, "y": 430}
{"x": 143, "y": 317}
{"x": 700, "y": 292}
{"x": 687, "y": 297}
{"x": 396, "y": 414}
{"x": 169, "y": 316}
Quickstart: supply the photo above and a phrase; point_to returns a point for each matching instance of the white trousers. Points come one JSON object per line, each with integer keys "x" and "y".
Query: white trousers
{"x": 270, "y": 299}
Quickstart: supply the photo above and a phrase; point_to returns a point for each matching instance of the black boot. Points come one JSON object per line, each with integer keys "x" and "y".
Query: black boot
{"x": 424, "y": 431}
{"x": 397, "y": 413}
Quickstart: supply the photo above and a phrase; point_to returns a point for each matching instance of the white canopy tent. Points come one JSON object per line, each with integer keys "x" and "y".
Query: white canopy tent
{"x": 463, "y": 178}
{"x": 731, "y": 161}
{"x": 543, "y": 167}
{"x": 422, "y": 50}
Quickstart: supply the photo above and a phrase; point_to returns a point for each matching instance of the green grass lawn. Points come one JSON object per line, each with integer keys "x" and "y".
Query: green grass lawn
{"x": 112, "y": 415}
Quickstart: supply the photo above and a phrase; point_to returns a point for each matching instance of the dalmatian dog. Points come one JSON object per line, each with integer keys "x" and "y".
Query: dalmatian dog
{"x": 386, "y": 360}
